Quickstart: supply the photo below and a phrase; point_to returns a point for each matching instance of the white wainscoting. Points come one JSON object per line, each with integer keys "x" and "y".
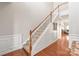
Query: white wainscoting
{"x": 9, "y": 43}
{"x": 73, "y": 37}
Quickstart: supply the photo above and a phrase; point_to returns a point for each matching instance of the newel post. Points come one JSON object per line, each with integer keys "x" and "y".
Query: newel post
{"x": 30, "y": 46}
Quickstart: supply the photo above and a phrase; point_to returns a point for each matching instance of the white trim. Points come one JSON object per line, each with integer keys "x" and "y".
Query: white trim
{"x": 73, "y": 37}
{"x": 6, "y": 46}
{"x": 10, "y": 50}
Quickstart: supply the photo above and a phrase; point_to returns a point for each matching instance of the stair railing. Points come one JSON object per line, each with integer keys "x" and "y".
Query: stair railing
{"x": 46, "y": 21}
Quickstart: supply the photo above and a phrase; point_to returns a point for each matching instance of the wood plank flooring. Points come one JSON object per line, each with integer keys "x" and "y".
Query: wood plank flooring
{"x": 58, "y": 48}
{"x": 20, "y": 52}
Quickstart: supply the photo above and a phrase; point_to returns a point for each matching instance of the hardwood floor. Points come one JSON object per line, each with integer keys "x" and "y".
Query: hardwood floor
{"x": 58, "y": 48}
{"x": 20, "y": 52}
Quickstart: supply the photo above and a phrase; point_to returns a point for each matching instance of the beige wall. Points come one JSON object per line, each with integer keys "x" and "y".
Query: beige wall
{"x": 74, "y": 22}
{"x": 29, "y": 15}
{"x": 19, "y": 18}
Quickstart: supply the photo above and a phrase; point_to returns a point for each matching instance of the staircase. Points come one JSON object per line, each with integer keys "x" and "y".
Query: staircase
{"x": 37, "y": 32}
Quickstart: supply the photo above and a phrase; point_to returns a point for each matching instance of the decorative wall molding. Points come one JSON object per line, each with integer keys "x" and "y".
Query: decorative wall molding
{"x": 73, "y": 37}
{"x": 9, "y": 43}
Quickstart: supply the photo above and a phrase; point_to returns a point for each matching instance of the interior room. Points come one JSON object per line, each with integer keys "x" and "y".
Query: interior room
{"x": 39, "y": 29}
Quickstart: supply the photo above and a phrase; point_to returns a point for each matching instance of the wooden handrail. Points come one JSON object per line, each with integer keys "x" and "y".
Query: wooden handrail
{"x": 59, "y": 6}
{"x": 40, "y": 23}
{"x": 48, "y": 16}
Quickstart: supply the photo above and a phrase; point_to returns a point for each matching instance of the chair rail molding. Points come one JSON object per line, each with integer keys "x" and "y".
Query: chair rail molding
{"x": 73, "y": 37}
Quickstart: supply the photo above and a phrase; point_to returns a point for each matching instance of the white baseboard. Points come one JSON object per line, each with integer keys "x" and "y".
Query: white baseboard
{"x": 10, "y": 50}
{"x": 9, "y": 43}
